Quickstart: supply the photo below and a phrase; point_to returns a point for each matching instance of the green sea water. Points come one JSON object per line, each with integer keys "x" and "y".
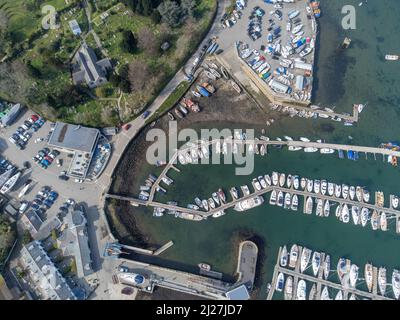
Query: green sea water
{"x": 358, "y": 75}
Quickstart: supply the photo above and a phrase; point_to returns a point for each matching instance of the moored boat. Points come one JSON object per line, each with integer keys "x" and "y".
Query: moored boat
{"x": 355, "y": 214}
{"x": 327, "y": 208}
{"x": 280, "y": 282}
{"x": 331, "y": 188}
{"x": 301, "y": 290}
{"x": 284, "y": 257}
{"x": 275, "y": 178}
{"x": 295, "y": 202}
{"x": 353, "y": 275}
{"x": 234, "y": 193}
{"x": 320, "y": 207}
{"x": 296, "y": 182}
{"x": 345, "y": 191}
{"x": 327, "y": 266}
{"x": 316, "y": 262}
{"x": 382, "y": 280}
{"x": 10, "y": 183}
{"x": 282, "y": 179}
{"x": 273, "y": 197}
{"x": 309, "y": 205}
{"x": 317, "y": 186}
{"x": 288, "y": 200}
{"x": 375, "y": 220}
{"x": 345, "y": 214}
{"x": 338, "y": 190}
{"x": 303, "y": 183}
{"x": 310, "y": 185}
{"x": 313, "y": 293}
{"x": 383, "y": 221}
{"x": 305, "y": 259}
{"x": 341, "y": 268}
{"x": 288, "y": 292}
{"x": 339, "y": 295}
{"x": 364, "y": 216}
{"x": 204, "y": 266}
{"x": 325, "y": 294}
{"x": 293, "y": 256}
{"x": 359, "y": 193}
{"x": 396, "y": 283}
{"x": 352, "y": 192}
{"x": 368, "y": 275}
{"x": 280, "y": 199}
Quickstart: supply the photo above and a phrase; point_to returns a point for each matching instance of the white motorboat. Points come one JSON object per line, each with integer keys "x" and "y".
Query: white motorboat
{"x": 280, "y": 282}
{"x": 382, "y": 280}
{"x": 296, "y": 182}
{"x": 317, "y": 186}
{"x": 288, "y": 138}
{"x": 338, "y": 190}
{"x": 304, "y": 139}
{"x": 305, "y": 259}
{"x": 325, "y": 294}
{"x": 303, "y": 183}
{"x": 326, "y": 151}
{"x": 216, "y": 198}
{"x": 368, "y": 275}
{"x": 288, "y": 200}
{"x": 342, "y": 268}
{"x": 249, "y": 204}
{"x": 338, "y": 211}
{"x": 355, "y": 214}
{"x": 282, "y": 179}
{"x": 316, "y": 262}
{"x": 268, "y": 179}
{"x": 218, "y": 214}
{"x": 310, "y": 185}
{"x": 331, "y": 188}
{"x": 211, "y": 203}
{"x": 366, "y": 195}
{"x": 275, "y": 178}
{"x": 256, "y": 184}
{"x": 262, "y": 182}
{"x": 295, "y": 202}
{"x": 289, "y": 180}
{"x": 309, "y": 205}
{"x": 205, "y": 205}
{"x": 313, "y": 293}
{"x": 392, "y": 57}
{"x": 301, "y": 290}
{"x": 324, "y": 186}
{"x": 327, "y": 266}
{"x": 339, "y": 295}
{"x": 284, "y": 257}
{"x": 234, "y": 193}
{"x": 364, "y": 216}
{"x": 353, "y": 275}
{"x": 352, "y": 192}
{"x": 396, "y": 283}
{"x": 383, "y": 221}
{"x": 293, "y": 256}
{"x": 345, "y": 191}
{"x": 353, "y": 297}
{"x": 288, "y": 292}
{"x": 345, "y": 214}
{"x": 245, "y": 190}
{"x": 359, "y": 193}
{"x": 395, "y": 202}
{"x": 320, "y": 207}
{"x": 280, "y": 199}
{"x": 293, "y": 14}
{"x": 375, "y": 220}
{"x": 310, "y": 149}
{"x": 273, "y": 197}
{"x": 297, "y": 28}
{"x": 327, "y": 208}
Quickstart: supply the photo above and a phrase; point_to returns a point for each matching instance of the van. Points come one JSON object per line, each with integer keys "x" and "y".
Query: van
{"x": 23, "y": 207}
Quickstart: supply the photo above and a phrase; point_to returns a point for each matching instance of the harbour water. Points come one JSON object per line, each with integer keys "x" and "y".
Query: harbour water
{"x": 359, "y": 75}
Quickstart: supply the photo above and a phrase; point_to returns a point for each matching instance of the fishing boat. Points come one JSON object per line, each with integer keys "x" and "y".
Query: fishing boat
{"x": 211, "y": 203}
{"x": 10, "y": 183}
{"x": 268, "y": 179}
{"x": 352, "y": 192}
{"x": 284, "y": 257}
{"x": 275, "y": 178}
{"x": 26, "y": 187}
{"x": 205, "y": 205}
{"x": 288, "y": 200}
{"x": 256, "y": 184}
{"x": 320, "y": 207}
{"x": 234, "y": 193}
{"x": 289, "y": 180}
{"x": 204, "y": 266}
{"x": 245, "y": 190}
{"x": 282, "y": 179}
{"x": 341, "y": 268}
{"x": 366, "y": 195}
{"x": 325, "y": 294}
{"x": 309, "y": 205}
{"x": 327, "y": 208}
{"x": 339, "y": 295}
{"x": 313, "y": 293}
{"x": 355, "y": 214}
{"x": 310, "y": 185}
{"x": 368, "y": 275}
{"x": 316, "y": 262}
{"x": 364, "y": 216}
{"x": 273, "y": 197}
{"x": 345, "y": 214}
{"x": 338, "y": 190}
{"x": 305, "y": 259}
{"x": 359, "y": 193}
{"x": 262, "y": 182}
{"x": 395, "y": 202}
{"x": 301, "y": 290}
{"x": 396, "y": 283}
{"x": 288, "y": 291}
{"x": 375, "y": 220}
{"x": 293, "y": 256}
{"x": 331, "y": 188}
{"x": 353, "y": 275}
{"x": 345, "y": 191}
{"x": 280, "y": 282}
{"x": 216, "y": 198}
{"x": 303, "y": 183}
{"x": 317, "y": 186}
{"x": 280, "y": 199}
{"x": 295, "y": 202}
{"x": 327, "y": 266}
{"x": 296, "y": 182}
{"x": 383, "y": 221}
{"x": 382, "y": 280}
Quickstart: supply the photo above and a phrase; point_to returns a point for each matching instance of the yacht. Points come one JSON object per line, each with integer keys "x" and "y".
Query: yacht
{"x": 205, "y": 205}
{"x": 211, "y": 203}
{"x": 296, "y": 182}
{"x": 368, "y": 275}
{"x": 280, "y": 282}
{"x": 216, "y": 198}
{"x": 262, "y": 182}
{"x": 382, "y": 280}
{"x": 272, "y": 199}
{"x": 282, "y": 179}
{"x": 289, "y": 181}
{"x": 353, "y": 275}
{"x": 256, "y": 184}
{"x": 288, "y": 138}
{"x": 310, "y": 185}
{"x": 221, "y": 195}
{"x": 305, "y": 259}
{"x": 342, "y": 268}
{"x": 366, "y": 195}
{"x": 375, "y": 220}
{"x": 10, "y": 183}
{"x": 288, "y": 200}
{"x": 288, "y": 293}
{"x": 352, "y": 192}
{"x": 383, "y": 221}
{"x": 327, "y": 208}
{"x": 320, "y": 208}
{"x": 364, "y": 216}
{"x": 345, "y": 191}
{"x": 245, "y": 190}
{"x": 295, "y": 202}
{"x": 338, "y": 211}
{"x": 303, "y": 183}
{"x": 280, "y": 199}
{"x": 301, "y": 290}
{"x": 324, "y": 186}
{"x": 345, "y": 214}
{"x": 331, "y": 189}
{"x": 339, "y": 295}
{"x": 304, "y": 139}
{"x": 309, "y": 205}
{"x": 396, "y": 283}
{"x": 359, "y": 194}
{"x": 327, "y": 266}
{"x": 268, "y": 179}
{"x": 181, "y": 158}
{"x": 198, "y": 202}
{"x": 316, "y": 262}
{"x": 293, "y": 256}
{"x": 284, "y": 257}
{"x": 355, "y": 214}
{"x": 234, "y": 193}
{"x": 275, "y": 178}
{"x": 338, "y": 190}
{"x": 249, "y": 204}
{"x": 395, "y": 202}
{"x": 313, "y": 293}
{"x": 317, "y": 186}
{"x": 28, "y": 184}
{"x": 325, "y": 294}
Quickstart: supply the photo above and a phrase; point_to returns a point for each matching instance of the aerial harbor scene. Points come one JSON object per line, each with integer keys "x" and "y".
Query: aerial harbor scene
{"x": 254, "y": 159}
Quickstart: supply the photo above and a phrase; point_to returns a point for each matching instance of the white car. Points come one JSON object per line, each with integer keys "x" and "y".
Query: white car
{"x": 71, "y": 202}
{"x": 196, "y": 61}
{"x": 23, "y": 207}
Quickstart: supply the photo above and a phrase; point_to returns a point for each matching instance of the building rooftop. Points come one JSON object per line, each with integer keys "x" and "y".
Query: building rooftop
{"x": 73, "y": 137}
{"x": 33, "y": 219}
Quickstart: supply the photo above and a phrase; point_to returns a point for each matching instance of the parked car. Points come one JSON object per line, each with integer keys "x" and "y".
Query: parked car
{"x": 123, "y": 269}
{"x": 145, "y": 114}
{"x": 34, "y": 117}
{"x": 24, "y": 205}
{"x": 47, "y": 203}
{"x": 63, "y": 177}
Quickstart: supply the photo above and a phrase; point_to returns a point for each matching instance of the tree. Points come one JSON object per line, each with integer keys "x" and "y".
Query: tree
{"x": 128, "y": 42}
{"x": 188, "y": 7}
{"x": 171, "y": 13}
{"x": 156, "y": 16}
{"x": 138, "y": 75}
{"x": 147, "y": 41}
{"x": 26, "y": 237}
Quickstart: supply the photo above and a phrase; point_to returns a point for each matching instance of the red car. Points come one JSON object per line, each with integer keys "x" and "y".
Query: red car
{"x": 49, "y": 159}
{"x": 34, "y": 117}
{"x": 126, "y": 126}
